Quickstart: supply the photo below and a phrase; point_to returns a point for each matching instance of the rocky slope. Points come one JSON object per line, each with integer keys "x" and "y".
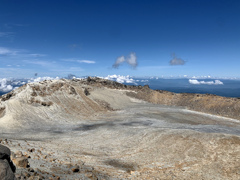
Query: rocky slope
{"x": 100, "y": 129}
{"x": 48, "y": 102}
{"x": 56, "y": 95}
{"x": 207, "y": 103}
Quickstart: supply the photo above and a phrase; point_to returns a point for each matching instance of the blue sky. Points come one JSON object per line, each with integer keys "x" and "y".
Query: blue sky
{"x": 144, "y": 38}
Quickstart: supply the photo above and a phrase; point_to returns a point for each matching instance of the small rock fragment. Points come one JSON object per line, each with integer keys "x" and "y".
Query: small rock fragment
{"x": 75, "y": 168}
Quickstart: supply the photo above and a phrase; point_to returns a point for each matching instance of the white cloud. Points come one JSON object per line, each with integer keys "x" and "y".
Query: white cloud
{"x": 131, "y": 60}
{"x": 86, "y": 61}
{"x": 4, "y": 86}
{"x": 120, "y": 79}
{"x": 38, "y": 79}
{"x": 36, "y": 55}
{"x": 79, "y": 61}
{"x": 4, "y": 51}
{"x": 176, "y": 61}
{"x": 41, "y": 63}
{"x": 19, "y": 53}
{"x": 195, "y": 81}
{"x": 119, "y": 61}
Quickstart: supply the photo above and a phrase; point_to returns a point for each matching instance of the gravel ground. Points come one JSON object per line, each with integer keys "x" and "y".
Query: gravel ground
{"x": 143, "y": 141}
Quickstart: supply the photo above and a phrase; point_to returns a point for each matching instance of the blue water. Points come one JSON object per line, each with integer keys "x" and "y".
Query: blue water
{"x": 230, "y": 88}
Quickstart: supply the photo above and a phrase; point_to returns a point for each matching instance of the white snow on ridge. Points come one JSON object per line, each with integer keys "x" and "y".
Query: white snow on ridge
{"x": 4, "y": 87}
{"x": 195, "y": 81}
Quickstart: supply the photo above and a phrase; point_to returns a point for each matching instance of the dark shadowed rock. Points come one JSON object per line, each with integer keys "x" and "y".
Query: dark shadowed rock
{"x": 75, "y": 168}
{"x": 6, "y": 172}
{"x": 4, "y": 151}
{"x": 7, "y": 168}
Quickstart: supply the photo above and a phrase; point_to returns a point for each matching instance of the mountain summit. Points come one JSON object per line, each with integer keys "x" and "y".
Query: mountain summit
{"x": 102, "y": 129}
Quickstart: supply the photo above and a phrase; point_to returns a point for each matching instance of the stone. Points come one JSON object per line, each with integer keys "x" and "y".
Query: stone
{"x": 21, "y": 162}
{"x": 75, "y": 168}
{"x": 4, "y": 150}
{"x": 31, "y": 170}
{"x": 31, "y": 150}
{"x": 5, "y": 154}
{"x": 6, "y": 172}
{"x": 18, "y": 154}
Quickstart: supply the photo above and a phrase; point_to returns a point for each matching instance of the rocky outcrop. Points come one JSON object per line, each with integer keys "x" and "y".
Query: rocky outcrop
{"x": 7, "y": 168}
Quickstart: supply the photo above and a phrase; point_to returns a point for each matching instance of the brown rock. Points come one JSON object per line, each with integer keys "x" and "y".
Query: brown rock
{"x": 31, "y": 150}
{"x": 31, "y": 170}
{"x": 21, "y": 162}
{"x": 75, "y": 168}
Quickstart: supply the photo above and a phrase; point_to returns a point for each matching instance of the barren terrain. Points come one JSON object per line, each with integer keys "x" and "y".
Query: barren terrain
{"x": 112, "y": 131}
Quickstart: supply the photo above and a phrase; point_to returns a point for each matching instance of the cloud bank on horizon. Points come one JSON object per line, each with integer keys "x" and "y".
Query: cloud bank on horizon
{"x": 7, "y": 85}
{"x": 4, "y": 86}
{"x": 196, "y": 82}
{"x": 130, "y": 60}
{"x": 120, "y": 79}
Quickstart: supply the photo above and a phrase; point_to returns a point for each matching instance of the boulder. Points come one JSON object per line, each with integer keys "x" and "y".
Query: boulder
{"x": 6, "y": 172}
{"x": 4, "y": 151}
{"x": 7, "y": 168}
